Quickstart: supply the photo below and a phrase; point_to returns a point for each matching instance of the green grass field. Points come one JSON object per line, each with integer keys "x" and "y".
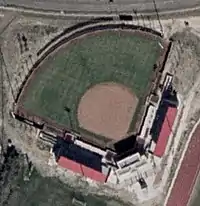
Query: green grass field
{"x": 111, "y": 56}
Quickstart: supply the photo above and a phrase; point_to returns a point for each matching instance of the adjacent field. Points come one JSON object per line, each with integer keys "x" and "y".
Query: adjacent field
{"x": 110, "y": 56}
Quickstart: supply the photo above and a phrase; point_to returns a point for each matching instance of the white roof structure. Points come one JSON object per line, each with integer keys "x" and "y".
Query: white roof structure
{"x": 128, "y": 160}
{"x": 90, "y": 147}
{"x": 167, "y": 81}
{"x": 148, "y": 122}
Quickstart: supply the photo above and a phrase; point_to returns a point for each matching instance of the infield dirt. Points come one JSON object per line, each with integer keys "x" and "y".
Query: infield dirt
{"x": 107, "y": 109}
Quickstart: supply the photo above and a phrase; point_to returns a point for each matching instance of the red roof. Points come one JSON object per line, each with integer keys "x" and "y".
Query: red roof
{"x": 165, "y": 131}
{"x": 81, "y": 169}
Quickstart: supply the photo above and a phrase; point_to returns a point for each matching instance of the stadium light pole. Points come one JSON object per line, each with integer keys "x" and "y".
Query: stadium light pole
{"x": 68, "y": 111}
{"x": 137, "y": 18}
{"x": 2, "y": 108}
{"x": 143, "y": 20}
{"x": 4, "y": 69}
{"x": 148, "y": 17}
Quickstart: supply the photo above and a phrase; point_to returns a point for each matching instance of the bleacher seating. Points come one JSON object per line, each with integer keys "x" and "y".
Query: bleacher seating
{"x": 77, "y": 154}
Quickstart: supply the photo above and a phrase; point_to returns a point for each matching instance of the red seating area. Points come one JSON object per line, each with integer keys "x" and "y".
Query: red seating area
{"x": 81, "y": 169}
{"x": 165, "y": 131}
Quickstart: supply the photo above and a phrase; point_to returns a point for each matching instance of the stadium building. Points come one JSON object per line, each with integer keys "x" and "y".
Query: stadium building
{"x": 72, "y": 153}
{"x": 129, "y": 156}
{"x": 123, "y": 161}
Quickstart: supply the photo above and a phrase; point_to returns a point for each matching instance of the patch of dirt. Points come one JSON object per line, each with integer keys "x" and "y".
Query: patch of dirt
{"x": 186, "y": 62}
{"x": 107, "y": 109}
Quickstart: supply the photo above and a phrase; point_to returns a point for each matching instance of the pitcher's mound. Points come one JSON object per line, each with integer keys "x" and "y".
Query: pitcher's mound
{"x": 107, "y": 109}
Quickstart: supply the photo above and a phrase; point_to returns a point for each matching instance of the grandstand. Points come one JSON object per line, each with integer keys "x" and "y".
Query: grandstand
{"x": 78, "y": 154}
{"x": 128, "y": 156}
{"x": 164, "y": 119}
{"x": 165, "y": 131}
{"x": 80, "y": 160}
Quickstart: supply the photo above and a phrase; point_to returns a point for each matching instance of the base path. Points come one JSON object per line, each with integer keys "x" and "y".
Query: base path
{"x": 188, "y": 173}
{"x": 107, "y": 110}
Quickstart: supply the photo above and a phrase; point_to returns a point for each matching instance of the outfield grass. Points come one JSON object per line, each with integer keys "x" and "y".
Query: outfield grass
{"x": 108, "y": 57}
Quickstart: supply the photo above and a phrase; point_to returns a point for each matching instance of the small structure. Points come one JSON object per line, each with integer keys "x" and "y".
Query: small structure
{"x": 78, "y": 202}
{"x": 89, "y": 147}
{"x": 47, "y": 138}
{"x": 109, "y": 158}
{"x": 130, "y": 160}
{"x": 148, "y": 122}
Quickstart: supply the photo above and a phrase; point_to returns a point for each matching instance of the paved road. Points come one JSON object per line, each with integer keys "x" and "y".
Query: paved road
{"x": 102, "y": 6}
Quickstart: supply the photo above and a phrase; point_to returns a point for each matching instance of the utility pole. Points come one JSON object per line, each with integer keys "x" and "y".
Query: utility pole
{"x": 149, "y": 20}
{"x": 137, "y": 18}
{"x": 143, "y": 20}
{"x": 158, "y": 17}
{"x": 3, "y": 65}
{"x": 2, "y": 106}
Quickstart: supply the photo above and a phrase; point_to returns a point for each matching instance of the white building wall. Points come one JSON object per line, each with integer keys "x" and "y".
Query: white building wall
{"x": 90, "y": 147}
